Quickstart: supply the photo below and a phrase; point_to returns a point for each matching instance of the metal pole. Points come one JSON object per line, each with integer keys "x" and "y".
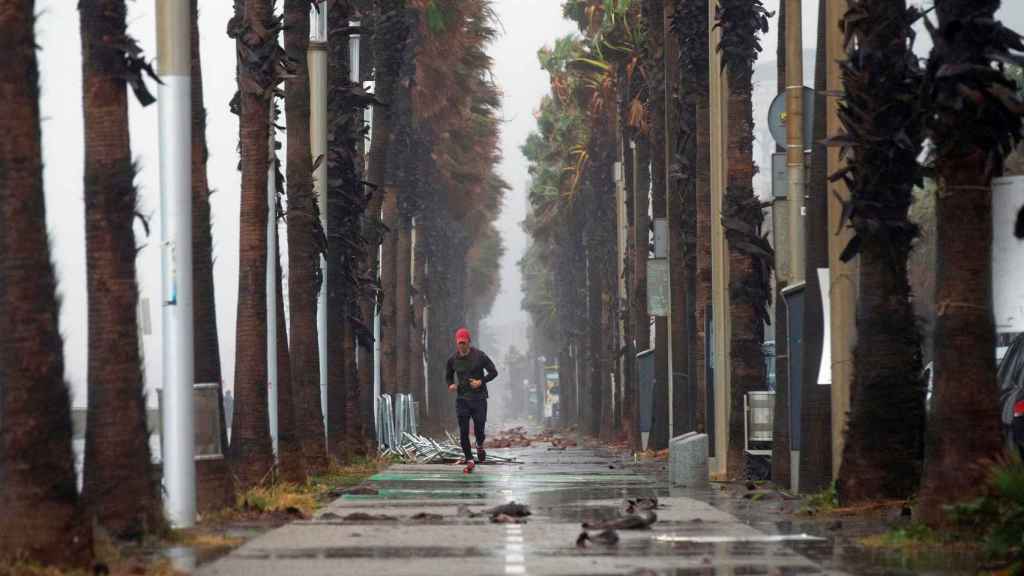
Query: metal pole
{"x": 175, "y": 97}
{"x": 272, "y": 264}
{"x": 794, "y": 139}
{"x": 317, "y": 61}
{"x": 719, "y": 91}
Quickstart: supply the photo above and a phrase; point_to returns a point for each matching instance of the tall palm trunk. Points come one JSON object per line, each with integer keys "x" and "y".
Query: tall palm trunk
{"x": 37, "y": 475}
{"x": 119, "y": 489}
{"x": 417, "y": 380}
{"x": 697, "y": 55}
{"x": 388, "y": 269}
{"x": 654, "y": 17}
{"x": 749, "y": 253}
{"x": 884, "y": 445}
{"x": 973, "y": 129}
{"x": 684, "y": 219}
{"x": 215, "y": 486}
{"x": 403, "y": 311}
{"x": 252, "y": 458}
{"x": 290, "y": 461}
{"x": 304, "y": 235}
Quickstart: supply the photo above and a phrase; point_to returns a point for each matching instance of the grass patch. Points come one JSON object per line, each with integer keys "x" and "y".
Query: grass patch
{"x": 280, "y": 497}
{"x": 821, "y": 503}
{"x": 342, "y": 476}
{"x": 200, "y": 539}
{"x": 911, "y": 537}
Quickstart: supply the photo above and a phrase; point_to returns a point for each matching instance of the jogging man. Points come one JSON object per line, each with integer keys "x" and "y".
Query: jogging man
{"x": 468, "y": 372}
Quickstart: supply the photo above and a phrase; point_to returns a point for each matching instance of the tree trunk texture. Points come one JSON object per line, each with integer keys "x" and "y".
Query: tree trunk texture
{"x": 816, "y": 399}
{"x": 964, "y": 432}
{"x": 291, "y": 465}
{"x": 403, "y": 308}
{"x": 388, "y": 313}
{"x": 747, "y": 360}
{"x": 304, "y": 242}
{"x": 417, "y": 378}
{"x": 215, "y": 488}
{"x": 119, "y": 488}
{"x": 38, "y": 492}
{"x": 884, "y": 446}
{"x": 251, "y": 454}
{"x": 389, "y": 38}
{"x": 702, "y": 207}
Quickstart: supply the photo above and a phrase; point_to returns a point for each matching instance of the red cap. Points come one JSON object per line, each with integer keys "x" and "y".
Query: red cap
{"x": 462, "y": 335}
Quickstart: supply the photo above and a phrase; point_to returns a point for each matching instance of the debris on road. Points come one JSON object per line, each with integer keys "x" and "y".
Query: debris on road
{"x": 512, "y": 509}
{"x": 641, "y": 521}
{"x": 607, "y": 538}
{"x": 506, "y": 519}
{"x": 634, "y": 504}
{"x": 364, "y": 517}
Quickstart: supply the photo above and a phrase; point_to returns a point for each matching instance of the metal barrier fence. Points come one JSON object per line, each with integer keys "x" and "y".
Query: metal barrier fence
{"x": 397, "y": 434}
{"x": 396, "y": 416}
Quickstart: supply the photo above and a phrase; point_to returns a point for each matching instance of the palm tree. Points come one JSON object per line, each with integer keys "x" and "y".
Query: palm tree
{"x": 391, "y": 32}
{"x": 213, "y": 479}
{"x": 885, "y": 435}
{"x": 291, "y": 462}
{"x": 37, "y": 476}
{"x": 119, "y": 488}
{"x": 348, "y": 277}
{"x": 304, "y": 239}
{"x": 254, "y": 29}
{"x": 974, "y": 121}
{"x": 750, "y": 255}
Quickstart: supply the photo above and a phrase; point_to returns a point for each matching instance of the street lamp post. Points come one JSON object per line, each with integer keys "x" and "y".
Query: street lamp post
{"x": 175, "y": 98}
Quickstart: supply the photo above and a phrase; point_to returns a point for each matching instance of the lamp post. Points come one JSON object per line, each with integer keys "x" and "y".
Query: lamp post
{"x": 175, "y": 120}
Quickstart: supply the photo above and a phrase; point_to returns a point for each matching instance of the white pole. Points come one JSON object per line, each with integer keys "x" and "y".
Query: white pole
{"x": 175, "y": 98}
{"x": 272, "y": 284}
{"x": 317, "y": 61}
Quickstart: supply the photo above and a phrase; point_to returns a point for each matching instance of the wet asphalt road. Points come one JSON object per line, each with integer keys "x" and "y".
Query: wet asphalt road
{"x": 563, "y": 489}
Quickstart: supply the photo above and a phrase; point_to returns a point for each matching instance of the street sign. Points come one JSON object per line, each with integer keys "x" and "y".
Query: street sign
{"x": 658, "y": 302}
{"x": 777, "y": 118}
{"x": 780, "y": 175}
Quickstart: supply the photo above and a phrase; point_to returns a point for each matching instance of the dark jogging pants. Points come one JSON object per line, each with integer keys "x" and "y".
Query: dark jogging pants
{"x": 467, "y": 409}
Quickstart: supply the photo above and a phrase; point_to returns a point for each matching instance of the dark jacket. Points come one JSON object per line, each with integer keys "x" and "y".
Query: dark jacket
{"x": 473, "y": 366}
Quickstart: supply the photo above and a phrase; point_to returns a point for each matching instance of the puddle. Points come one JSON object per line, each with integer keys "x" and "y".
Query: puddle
{"x": 371, "y": 552}
{"x": 730, "y": 539}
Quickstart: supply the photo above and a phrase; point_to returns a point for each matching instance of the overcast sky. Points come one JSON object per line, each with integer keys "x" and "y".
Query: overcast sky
{"x": 526, "y": 25}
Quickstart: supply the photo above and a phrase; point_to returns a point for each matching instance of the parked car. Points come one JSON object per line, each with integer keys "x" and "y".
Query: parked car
{"x": 1011, "y": 392}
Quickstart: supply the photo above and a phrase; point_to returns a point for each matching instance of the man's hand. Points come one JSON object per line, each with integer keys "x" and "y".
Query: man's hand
{"x": 452, "y": 387}
{"x": 475, "y": 383}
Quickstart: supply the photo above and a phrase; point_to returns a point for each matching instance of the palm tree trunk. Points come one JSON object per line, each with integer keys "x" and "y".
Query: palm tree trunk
{"x": 119, "y": 487}
{"x": 702, "y": 206}
{"x": 304, "y": 235}
{"x": 388, "y": 311}
{"x": 417, "y": 380}
{"x": 290, "y": 461}
{"x": 749, "y": 253}
{"x": 884, "y": 445}
{"x": 214, "y": 484}
{"x": 38, "y": 491}
{"x": 964, "y": 429}
{"x": 252, "y": 458}
{"x": 403, "y": 273}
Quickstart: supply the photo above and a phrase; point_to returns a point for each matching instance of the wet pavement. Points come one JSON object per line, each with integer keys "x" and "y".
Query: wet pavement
{"x": 425, "y": 519}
